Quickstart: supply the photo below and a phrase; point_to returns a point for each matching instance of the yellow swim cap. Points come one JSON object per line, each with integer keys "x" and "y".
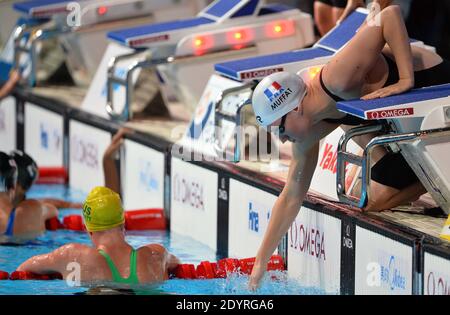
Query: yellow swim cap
{"x": 102, "y": 210}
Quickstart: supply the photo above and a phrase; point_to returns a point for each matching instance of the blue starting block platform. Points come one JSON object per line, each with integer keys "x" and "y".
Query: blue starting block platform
{"x": 31, "y": 7}
{"x": 171, "y": 32}
{"x": 326, "y": 47}
{"x": 407, "y": 101}
{"x": 129, "y": 36}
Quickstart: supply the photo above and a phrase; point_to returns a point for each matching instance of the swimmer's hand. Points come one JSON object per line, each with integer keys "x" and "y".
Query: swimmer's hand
{"x": 394, "y": 89}
{"x": 352, "y": 5}
{"x": 256, "y": 276}
{"x": 116, "y": 142}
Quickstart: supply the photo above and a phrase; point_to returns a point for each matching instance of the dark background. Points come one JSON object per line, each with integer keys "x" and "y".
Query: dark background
{"x": 426, "y": 20}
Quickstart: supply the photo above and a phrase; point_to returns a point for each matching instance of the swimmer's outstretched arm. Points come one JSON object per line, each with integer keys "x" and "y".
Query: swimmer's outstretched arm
{"x": 109, "y": 160}
{"x": 59, "y": 203}
{"x": 6, "y": 89}
{"x": 54, "y": 262}
{"x": 351, "y": 65}
{"x": 286, "y": 207}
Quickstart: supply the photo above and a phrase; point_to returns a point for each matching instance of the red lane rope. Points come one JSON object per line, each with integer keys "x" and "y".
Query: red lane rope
{"x": 205, "y": 270}
{"x": 144, "y": 219}
{"x": 221, "y": 269}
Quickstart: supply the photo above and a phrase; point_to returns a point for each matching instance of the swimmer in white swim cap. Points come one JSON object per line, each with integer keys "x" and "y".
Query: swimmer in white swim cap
{"x": 376, "y": 62}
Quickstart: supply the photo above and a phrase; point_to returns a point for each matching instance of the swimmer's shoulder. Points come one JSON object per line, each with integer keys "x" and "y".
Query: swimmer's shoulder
{"x": 29, "y": 207}
{"x": 30, "y": 203}
{"x": 152, "y": 251}
{"x": 77, "y": 252}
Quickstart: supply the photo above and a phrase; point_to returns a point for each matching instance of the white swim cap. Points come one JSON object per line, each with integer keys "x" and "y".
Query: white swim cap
{"x": 276, "y": 95}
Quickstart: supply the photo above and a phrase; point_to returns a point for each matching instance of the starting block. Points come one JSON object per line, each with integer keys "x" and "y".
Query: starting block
{"x": 417, "y": 124}
{"x": 222, "y": 31}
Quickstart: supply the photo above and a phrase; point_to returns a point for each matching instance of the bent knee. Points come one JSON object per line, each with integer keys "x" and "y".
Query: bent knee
{"x": 393, "y": 11}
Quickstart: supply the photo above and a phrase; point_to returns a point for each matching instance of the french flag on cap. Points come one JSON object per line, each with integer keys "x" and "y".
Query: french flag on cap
{"x": 272, "y": 90}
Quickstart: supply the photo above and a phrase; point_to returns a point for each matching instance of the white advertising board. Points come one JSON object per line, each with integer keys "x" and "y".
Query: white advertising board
{"x": 142, "y": 176}
{"x": 8, "y": 133}
{"x": 436, "y": 275}
{"x": 314, "y": 250}
{"x": 44, "y": 136}
{"x": 382, "y": 265}
{"x": 194, "y": 202}
{"x": 87, "y": 145}
{"x": 249, "y": 214}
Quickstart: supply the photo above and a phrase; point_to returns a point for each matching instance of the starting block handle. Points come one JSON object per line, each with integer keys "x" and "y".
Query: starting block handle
{"x": 36, "y": 33}
{"x": 236, "y": 118}
{"x": 344, "y": 157}
{"x": 127, "y": 83}
{"x": 365, "y": 160}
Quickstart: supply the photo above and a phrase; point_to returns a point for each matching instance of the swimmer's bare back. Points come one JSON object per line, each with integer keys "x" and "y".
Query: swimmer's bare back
{"x": 31, "y": 216}
{"x": 153, "y": 263}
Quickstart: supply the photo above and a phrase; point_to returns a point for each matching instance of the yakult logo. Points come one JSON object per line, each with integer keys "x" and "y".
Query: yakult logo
{"x": 307, "y": 240}
{"x": 436, "y": 284}
{"x": 390, "y": 275}
{"x": 84, "y": 152}
{"x": 189, "y": 192}
{"x": 329, "y": 158}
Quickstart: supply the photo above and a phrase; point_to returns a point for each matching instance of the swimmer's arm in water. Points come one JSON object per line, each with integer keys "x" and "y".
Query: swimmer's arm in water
{"x": 54, "y": 262}
{"x": 6, "y": 89}
{"x": 58, "y": 203}
{"x": 286, "y": 207}
{"x": 48, "y": 211}
{"x": 350, "y": 67}
{"x": 171, "y": 261}
{"x": 109, "y": 160}
{"x": 304, "y": 159}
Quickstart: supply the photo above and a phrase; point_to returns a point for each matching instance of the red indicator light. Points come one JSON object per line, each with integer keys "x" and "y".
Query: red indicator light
{"x": 239, "y": 37}
{"x": 277, "y": 28}
{"x": 280, "y": 29}
{"x": 102, "y": 10}
{"x": 202, "y": 44}
{"x": 198, "y": 42}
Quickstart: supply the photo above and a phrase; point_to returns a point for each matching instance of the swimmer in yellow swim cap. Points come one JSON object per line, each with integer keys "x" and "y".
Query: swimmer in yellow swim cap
{"x": 110, "y": 258}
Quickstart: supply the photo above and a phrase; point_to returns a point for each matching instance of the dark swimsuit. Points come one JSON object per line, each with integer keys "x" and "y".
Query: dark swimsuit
{"x": 393, "y": 170}
{"x": 10, "y": 225}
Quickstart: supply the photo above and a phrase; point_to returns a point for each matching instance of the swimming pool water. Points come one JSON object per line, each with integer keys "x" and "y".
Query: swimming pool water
{"x": 187, "y": 249}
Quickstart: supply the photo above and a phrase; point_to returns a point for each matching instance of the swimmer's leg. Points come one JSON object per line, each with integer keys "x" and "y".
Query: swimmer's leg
{"x": 384, "y": 197}
{"x": 323, "y": 17}
{"x": 349, "y": 68}
{"x": 336, "y": 14}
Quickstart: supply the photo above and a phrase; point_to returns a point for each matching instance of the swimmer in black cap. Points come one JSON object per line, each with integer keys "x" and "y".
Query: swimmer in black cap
{"x": 8, "y": 180}
{"x": 19, "y": 221}
{"x": 27, "y": 175}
